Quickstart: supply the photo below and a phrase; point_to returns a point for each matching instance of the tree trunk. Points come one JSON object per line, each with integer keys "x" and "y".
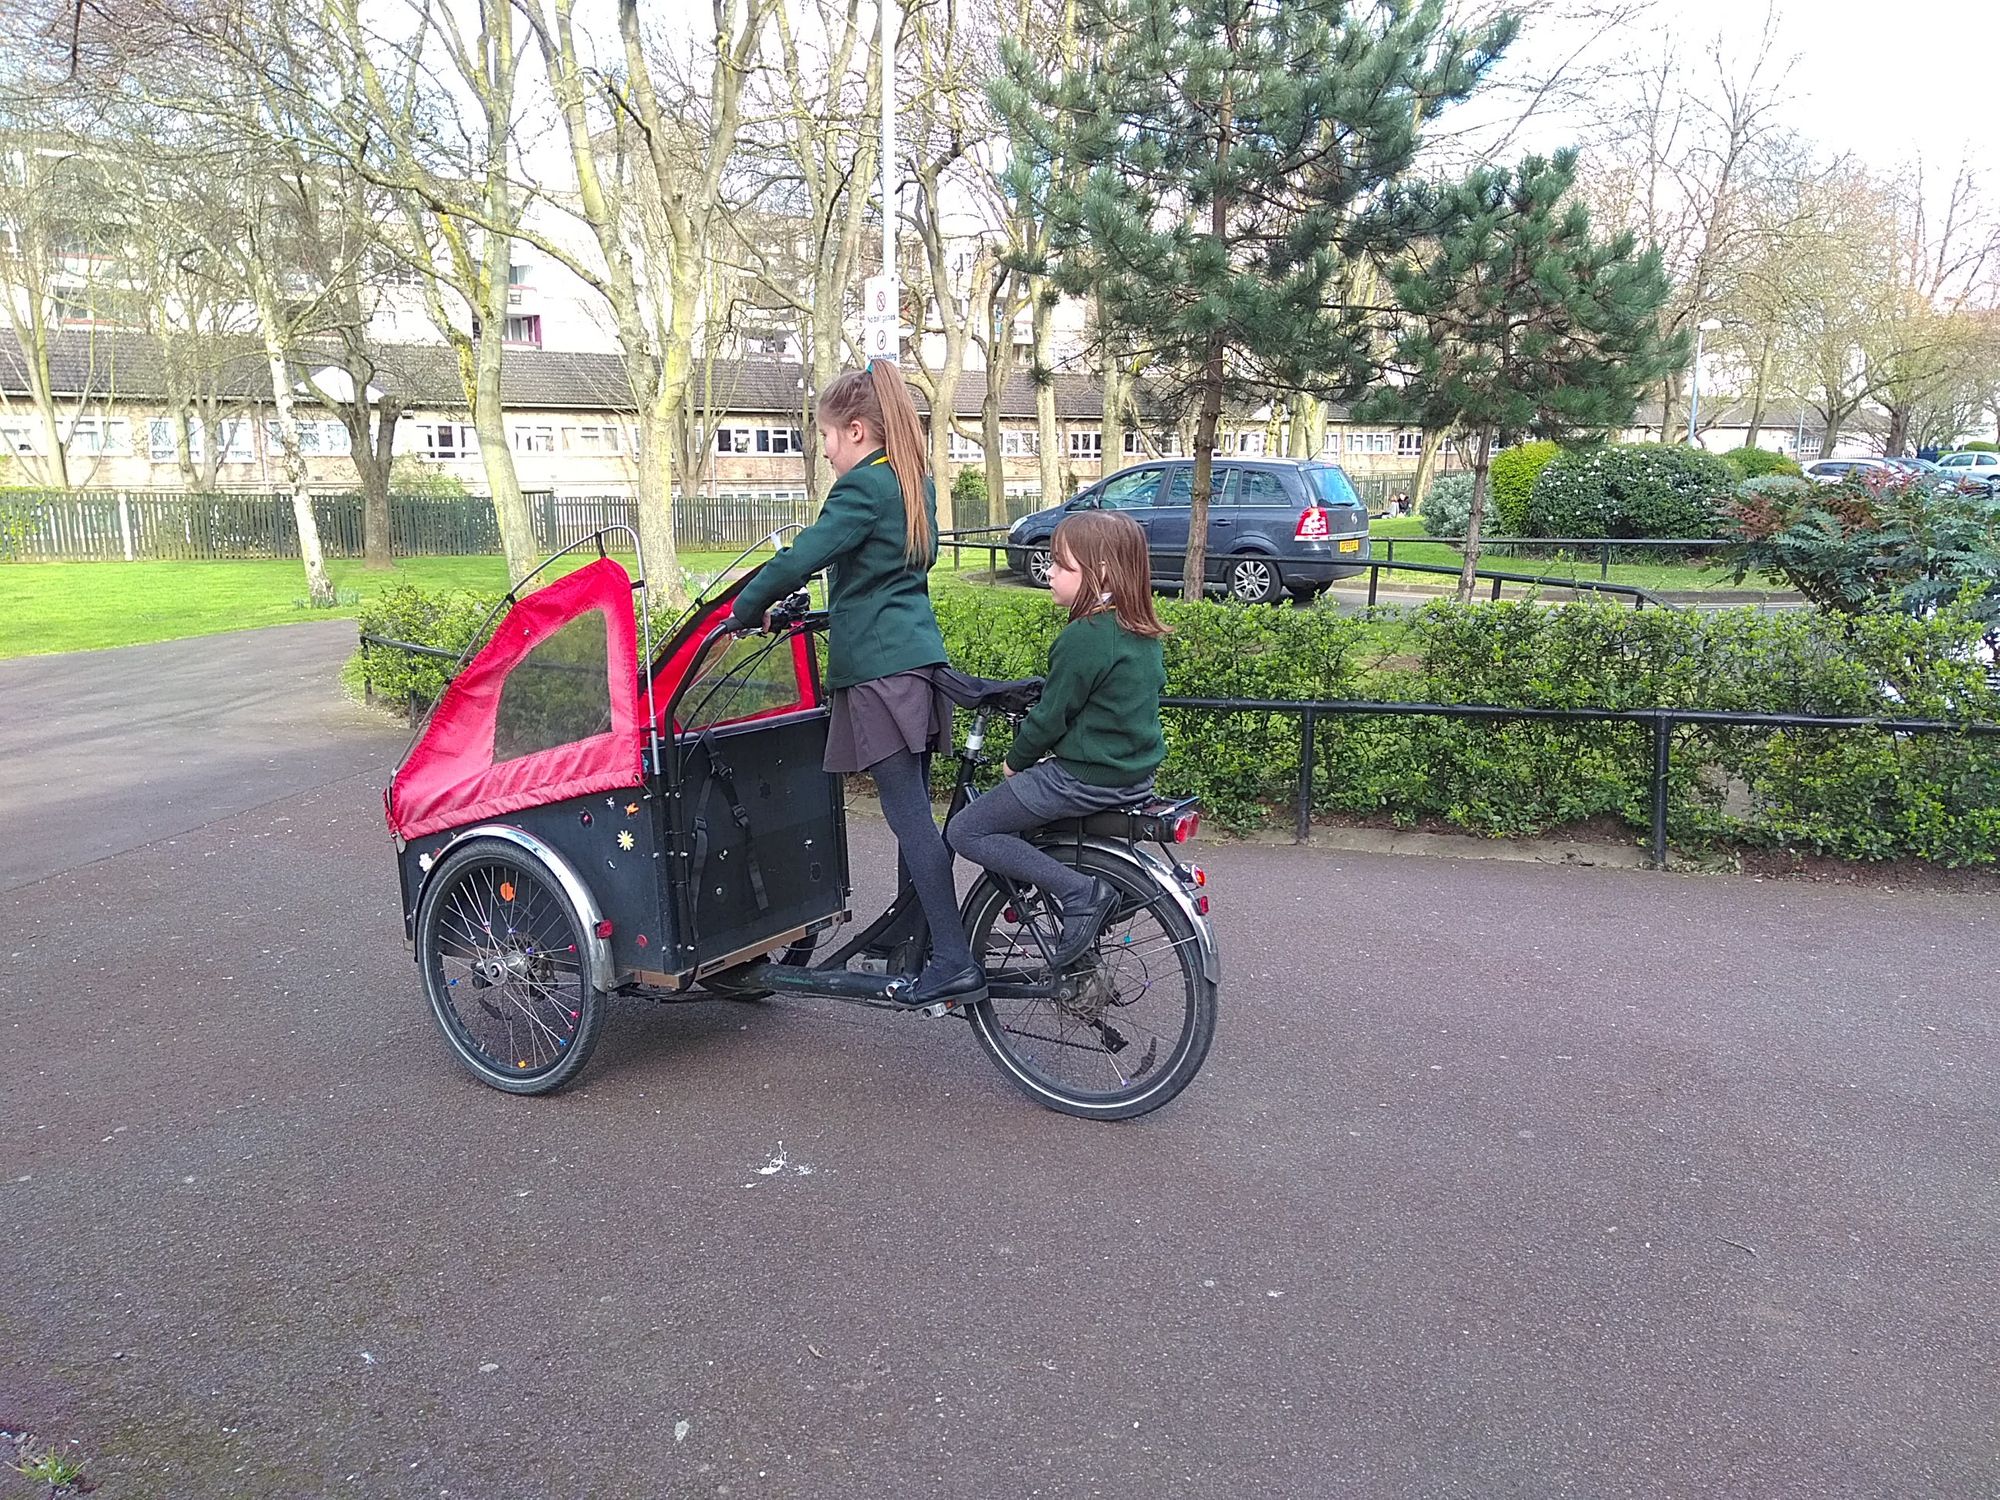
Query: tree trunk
{"x": 376, "y": 524}
{"x": 1274, "y": 429}
{"x": 1898, "y": 437}
{"x": 1308, "y": 427}
{"x": 1757, "y": 395}
{"x": 319, "y": 591}
{"x": 1427, "y": 467}
{"x": 1048, "y": 434}
{"x": 989, "y": 437}
{"x": 1194, "y": 567}
{"x": 1112, "y": 424}
{"x": 1482, "y": 461}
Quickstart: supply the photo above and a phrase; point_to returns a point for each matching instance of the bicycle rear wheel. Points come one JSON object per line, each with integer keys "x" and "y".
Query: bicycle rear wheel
{"x": 1139, "y": 1025}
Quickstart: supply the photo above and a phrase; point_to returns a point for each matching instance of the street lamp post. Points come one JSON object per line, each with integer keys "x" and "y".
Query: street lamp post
{"x": 1706, "y": 325}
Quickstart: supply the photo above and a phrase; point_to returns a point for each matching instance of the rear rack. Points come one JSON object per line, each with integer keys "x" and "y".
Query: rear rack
{"x": 1163, "y": 820}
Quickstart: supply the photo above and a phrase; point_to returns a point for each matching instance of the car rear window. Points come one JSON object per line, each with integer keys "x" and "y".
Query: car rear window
{"x": 1332, "y": 486}
{"x": 1260, "y": 487}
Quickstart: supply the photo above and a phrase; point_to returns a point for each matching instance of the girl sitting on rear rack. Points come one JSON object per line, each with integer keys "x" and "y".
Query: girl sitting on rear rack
{"x": 1098, "y": 723}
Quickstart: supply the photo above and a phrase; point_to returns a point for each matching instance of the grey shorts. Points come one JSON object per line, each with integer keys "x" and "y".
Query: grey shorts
{"x": 1049, "y": 792}
{"x": 872, "y": 720}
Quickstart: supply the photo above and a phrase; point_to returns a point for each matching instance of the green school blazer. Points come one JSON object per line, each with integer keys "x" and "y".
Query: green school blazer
{"x": 882, "y": 621}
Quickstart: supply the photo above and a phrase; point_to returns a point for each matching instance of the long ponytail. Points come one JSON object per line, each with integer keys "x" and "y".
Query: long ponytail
{"x": 909, "y": 456}
{"x": 879, "y": 400}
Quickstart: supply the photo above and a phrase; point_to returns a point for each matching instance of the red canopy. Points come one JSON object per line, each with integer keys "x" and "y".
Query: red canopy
{"x": 463, "y": 768}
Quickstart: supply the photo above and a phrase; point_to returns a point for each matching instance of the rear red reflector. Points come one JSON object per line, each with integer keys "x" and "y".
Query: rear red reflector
{"x": 1201, "y": 905}
{"x": 1313, "y": 526}
{"x": 604, "y": 928}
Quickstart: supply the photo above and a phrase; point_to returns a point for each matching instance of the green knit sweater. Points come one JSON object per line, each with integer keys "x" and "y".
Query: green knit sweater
{"x": 1100, "y": 710}
{"x": 880, "y": 607}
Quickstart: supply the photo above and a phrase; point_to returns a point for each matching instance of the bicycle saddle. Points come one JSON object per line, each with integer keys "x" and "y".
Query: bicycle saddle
{"x": 983, "y": 694}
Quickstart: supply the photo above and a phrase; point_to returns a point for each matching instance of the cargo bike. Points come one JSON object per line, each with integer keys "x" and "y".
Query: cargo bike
{"x": 580, "y": 816}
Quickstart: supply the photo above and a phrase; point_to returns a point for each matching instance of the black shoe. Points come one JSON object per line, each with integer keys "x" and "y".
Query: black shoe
{"x": 961, "y": 985}
{"x": 1081, "y": 926}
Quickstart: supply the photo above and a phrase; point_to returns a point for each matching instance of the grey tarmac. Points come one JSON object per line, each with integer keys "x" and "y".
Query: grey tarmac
{"x": 1502, "y": 1179}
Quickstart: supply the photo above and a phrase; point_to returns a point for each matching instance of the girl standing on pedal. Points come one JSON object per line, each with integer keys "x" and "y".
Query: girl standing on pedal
{"x": 876, "y": 538}
{"x": 1098, "y": 723}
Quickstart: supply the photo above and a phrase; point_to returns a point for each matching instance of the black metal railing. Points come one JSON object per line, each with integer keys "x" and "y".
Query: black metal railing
{"x": 956, "y": 541}
{"x": 1603, "y": 546}
{"x": 1663, "y": 721}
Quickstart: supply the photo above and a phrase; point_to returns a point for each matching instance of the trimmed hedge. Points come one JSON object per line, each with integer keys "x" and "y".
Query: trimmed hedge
{"x": 1851, "y": 794}
{"x": 1656, "y": 491}
{"x": 1512, "y": 478}
{"x": 1755, "y": 463}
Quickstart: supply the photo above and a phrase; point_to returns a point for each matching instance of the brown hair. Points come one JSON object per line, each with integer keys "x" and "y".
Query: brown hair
{"x": 1109, "y": 550}
{"x": 877, "y": 398}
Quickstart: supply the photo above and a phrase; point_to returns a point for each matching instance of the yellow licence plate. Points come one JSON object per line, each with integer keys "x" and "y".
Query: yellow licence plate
{"x": 1352, "y": 544}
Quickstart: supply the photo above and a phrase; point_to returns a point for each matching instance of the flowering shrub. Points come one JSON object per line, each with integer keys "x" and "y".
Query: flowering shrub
{"x": 1650, "y": 490}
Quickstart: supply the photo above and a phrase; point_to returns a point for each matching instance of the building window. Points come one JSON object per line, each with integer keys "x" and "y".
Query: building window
{"x": 524, "y": 329}
{"x": 442, "y": 440}
{"x": 780, "y": 440}
{"x": 1409, "y": 444}
{"x": 316, "y": 438}
{"x": 1019, "y": 442}
{"x": 592, "y": 439}
{"x": 1250, "y": 442}
{"x": 100, "y": 436}
{"x": 163, "y": 438}
{"x": 534, "y": 440}
{"x": 1086, "y": 445}
{"x": 517, "y": 273}
{"x": 1329, "y": 445}
{"x": 235, "y": 442}
{"x": 733, "y": 440}
{"x": 17, "y": 437}
{"x": 961, "y": 449}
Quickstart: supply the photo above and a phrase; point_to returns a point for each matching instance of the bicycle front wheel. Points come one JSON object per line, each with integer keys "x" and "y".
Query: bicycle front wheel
{"x": 1139, "y": 1024}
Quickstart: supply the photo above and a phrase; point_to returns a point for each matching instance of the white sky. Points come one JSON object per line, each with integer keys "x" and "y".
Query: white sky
{"x": 1885, "y": 81}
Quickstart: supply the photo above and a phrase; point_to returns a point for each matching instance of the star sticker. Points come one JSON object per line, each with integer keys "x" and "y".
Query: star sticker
{"x": 624, "y": 838}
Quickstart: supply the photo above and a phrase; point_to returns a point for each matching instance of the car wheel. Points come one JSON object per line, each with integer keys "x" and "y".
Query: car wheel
{"x": 1040, "y": 566}
{"x": 1254, "y": 580}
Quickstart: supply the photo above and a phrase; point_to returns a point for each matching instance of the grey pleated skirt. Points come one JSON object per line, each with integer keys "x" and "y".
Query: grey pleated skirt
{"x": 872, "y": 720}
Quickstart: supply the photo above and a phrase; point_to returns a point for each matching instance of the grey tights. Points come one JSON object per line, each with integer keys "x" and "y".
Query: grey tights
{"x": 906, "y": 803}
{"x": 987, "y": 832}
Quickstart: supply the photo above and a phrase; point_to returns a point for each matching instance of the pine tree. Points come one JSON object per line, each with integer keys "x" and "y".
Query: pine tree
{"x": 1513, "y": 318}
{"x": 1207, "y": 167}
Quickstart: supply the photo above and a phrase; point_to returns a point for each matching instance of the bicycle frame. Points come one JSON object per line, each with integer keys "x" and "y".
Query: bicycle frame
{"x": 900, "y": 936}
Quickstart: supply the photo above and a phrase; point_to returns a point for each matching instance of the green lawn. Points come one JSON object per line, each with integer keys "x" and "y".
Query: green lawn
{"x": 1668, "y": 577}
{"x": 47, "y": 607}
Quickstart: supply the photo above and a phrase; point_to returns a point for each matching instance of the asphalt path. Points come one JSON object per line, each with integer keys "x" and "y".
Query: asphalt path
{"x": 1501, "y": 1180}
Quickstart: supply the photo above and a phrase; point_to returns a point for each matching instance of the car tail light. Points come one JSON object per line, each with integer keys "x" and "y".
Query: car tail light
{"x": 1313, "y": 526}
{"x": 1186, "y": 826}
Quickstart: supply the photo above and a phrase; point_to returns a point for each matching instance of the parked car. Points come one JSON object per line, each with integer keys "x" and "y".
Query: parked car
{"x": 1833, "y": 470}
{"x": 1274, "y": 525}
{"x": 1974, "y": 466}
{"x": 1941, "y": 480}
